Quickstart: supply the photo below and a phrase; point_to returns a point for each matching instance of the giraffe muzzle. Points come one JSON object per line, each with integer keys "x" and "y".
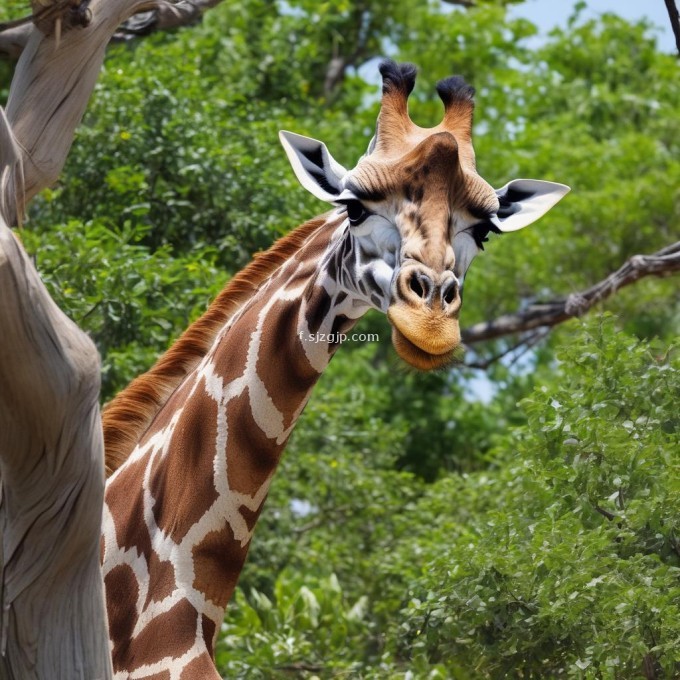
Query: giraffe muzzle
{"x": 424, "y": 317}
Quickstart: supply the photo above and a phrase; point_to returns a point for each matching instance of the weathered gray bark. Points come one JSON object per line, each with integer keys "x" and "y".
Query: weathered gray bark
{"x": 13, "y": 40}
{"x": 52, "y": 612}
{"x": 160, "y": 15}
{"x": 50, "y": 90}
{"x": 52, "y": 617}
{"x": 55, "y": 77}
{"x": 53, "y": 620}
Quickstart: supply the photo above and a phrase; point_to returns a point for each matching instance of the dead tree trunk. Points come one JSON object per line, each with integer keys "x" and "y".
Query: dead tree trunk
{"x": 52, "y": 613}
{"x": 53, "y": 620}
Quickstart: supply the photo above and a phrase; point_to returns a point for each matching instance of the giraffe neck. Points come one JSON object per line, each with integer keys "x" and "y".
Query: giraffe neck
{"x": 180, "y": 513}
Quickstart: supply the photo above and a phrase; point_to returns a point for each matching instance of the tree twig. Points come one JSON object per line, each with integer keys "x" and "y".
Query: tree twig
{"x": 525, "y": 344}
{"x": 675, "y": 21}
{"x": 605, "y": 513}
{"x": 664, "y": 262}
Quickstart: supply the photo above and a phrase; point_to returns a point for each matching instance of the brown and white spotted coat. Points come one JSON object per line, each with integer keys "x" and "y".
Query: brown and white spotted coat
{"x": 193, "y": 444}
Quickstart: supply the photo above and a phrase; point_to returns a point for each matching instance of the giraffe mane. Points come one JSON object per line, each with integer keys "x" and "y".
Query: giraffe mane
{"x": 129, "y": 414}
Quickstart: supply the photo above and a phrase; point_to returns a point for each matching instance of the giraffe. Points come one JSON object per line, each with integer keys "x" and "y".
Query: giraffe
{"x": 193, "y": 444}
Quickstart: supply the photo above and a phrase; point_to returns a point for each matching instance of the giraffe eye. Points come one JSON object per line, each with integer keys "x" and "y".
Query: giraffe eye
{"x": 356, "y": 212}
{"x": 480, "y": 233}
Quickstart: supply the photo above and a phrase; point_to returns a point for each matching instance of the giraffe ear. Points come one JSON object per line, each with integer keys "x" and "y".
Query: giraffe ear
{"x": 523, "y": 201}
{"x": 313, "y": 165}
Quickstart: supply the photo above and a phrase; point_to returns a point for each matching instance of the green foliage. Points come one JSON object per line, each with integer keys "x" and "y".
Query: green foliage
{"x": 306, "y": 623}
{"x": 186, "y": 177}
{"x": 559, "y": 560}
{"x": 129, "y": 299}
{"x": 568, "y": 563}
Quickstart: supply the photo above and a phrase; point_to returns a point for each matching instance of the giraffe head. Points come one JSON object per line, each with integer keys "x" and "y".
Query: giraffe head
{"x": 416, "y": 213}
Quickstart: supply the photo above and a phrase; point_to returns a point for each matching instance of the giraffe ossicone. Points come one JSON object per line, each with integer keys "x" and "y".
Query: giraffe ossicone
{"x": 192, "y": 445}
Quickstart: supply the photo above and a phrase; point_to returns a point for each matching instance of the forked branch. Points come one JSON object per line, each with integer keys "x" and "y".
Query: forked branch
{"x": 665, "y": 262}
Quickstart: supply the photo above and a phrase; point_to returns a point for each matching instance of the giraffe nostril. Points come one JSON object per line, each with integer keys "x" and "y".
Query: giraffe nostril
{"x": 420, "y": 285}
{"x": 450, "y": 292}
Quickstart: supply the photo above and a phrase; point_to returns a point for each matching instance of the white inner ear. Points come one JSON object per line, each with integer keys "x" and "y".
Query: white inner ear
{"x": 526, "y": 201}
{"x": 313, "y": 165}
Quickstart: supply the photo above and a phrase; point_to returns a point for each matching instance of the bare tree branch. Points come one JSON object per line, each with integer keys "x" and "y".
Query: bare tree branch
{"x": 675, "y": 21}
{"x": 55, "y": 76}
{"x": 14, "y": 39}
{"x": 663, "y": 263}
{"x": 156, "y": 15}
{"x": 605, "y": 513}
{"x": 15, "y": 23}
{"x": 46, "y": 18}
{"x": 339, "y": 63}
{"x": 166, "y": 16}
{"x": 524, "y": 344}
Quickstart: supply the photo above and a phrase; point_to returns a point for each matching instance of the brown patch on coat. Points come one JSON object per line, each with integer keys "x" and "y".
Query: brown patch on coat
{"x": 162, "y": 582}
{"x": 125, "y": 499}
{"x": 209, "y": 630}
{"x": 122, "y": 591}
{"x": 287, "y": 388}
{"x": 318, "y": 305}
{"x": 251, "y": 455}
{"x": 168, "y": 412}
{"x": 230, "y": 360}
{"x": 177, "y": 504}
{"x": 218, "y": 560}
{"x": 167, "y": 636}
{"x": 200, "y": 668}
{"x": 302, "y": 274}
{"x": 251, "y": 516}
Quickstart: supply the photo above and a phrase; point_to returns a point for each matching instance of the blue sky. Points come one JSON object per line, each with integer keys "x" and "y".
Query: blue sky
{"x": 549, "y": 13}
